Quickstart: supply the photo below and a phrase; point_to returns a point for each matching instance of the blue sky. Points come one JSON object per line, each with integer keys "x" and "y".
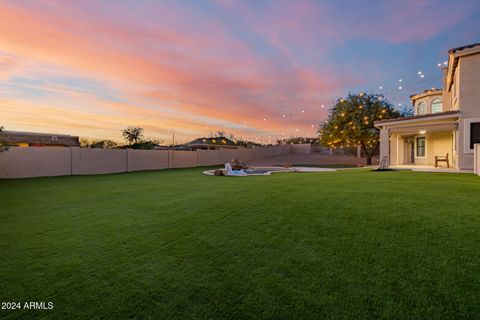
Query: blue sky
{"x": 193, "y": 67}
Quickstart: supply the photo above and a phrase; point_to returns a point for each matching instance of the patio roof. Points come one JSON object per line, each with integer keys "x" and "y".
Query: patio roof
{"x": 419, "y": 118}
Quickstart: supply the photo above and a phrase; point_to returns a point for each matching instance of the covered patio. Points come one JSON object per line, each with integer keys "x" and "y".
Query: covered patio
{"x": 421, "y": 142}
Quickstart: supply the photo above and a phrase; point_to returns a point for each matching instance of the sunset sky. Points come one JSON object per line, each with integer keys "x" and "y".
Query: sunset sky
{"x": 91, "y": 68}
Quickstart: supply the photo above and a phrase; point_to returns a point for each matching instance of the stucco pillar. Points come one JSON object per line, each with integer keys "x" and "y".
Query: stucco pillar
{"x": 384, "y": 147}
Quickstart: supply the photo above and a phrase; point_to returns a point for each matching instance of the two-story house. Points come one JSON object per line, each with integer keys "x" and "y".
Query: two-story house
{"x": 446, "y": 122}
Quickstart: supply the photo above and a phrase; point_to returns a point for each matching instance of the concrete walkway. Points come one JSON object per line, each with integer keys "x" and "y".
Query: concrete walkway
{"x": 419, "y": 168}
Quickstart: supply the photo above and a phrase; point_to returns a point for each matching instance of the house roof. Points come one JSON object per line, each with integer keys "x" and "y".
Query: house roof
{"x": 454, "y": 55}
{"x": 469, "y": 46}
{"x": 426, "y": 93}
{"x": 423, "y": 116}
{"x": 219, "y": 141}
{"x": 13, "y": 137}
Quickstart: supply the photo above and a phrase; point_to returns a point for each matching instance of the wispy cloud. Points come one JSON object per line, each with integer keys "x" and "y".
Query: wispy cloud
{"x": 95, "y": 67}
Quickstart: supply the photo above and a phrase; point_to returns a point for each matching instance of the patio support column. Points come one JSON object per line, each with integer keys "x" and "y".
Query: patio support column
{"x": 384, "y": 147}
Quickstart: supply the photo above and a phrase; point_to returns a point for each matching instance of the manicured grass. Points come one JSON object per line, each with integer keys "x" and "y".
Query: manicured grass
{"x": 333, "y": 166}
{"x": 178, "y": 244}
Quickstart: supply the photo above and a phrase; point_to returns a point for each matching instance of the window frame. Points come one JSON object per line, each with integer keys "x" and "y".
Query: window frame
{"x": 440, "y": 103}
{"x": 424, "y": 147}
{"x": 424, "y": 104}
{"x": 467, "y": 134}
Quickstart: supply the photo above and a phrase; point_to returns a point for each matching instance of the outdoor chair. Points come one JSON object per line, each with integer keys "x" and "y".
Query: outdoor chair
{"x": 441, "y": 159}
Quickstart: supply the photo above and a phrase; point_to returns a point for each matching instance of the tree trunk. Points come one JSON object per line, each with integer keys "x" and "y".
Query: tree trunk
{"x": 368, "y": 155}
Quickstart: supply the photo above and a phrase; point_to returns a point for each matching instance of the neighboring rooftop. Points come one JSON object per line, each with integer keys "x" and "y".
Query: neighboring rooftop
{"x": 215, "y": 142}
{"x": 39, "y": 139}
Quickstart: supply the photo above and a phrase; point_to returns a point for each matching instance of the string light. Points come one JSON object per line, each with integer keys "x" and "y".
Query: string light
{"x": 400, "y": 88}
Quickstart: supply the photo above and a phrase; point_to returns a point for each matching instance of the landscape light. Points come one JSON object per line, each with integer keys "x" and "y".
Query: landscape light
{"x": 400, "y": 88}
{"x": 380, "y": 87}
{"x": 422, "y": 76}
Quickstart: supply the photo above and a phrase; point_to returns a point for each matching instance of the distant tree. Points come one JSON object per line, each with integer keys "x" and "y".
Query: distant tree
{"x": 133, "y": 135}
{"x": 85, "y": 143}
{"x": 350, "y": 122}
{"x": 220, "y": 134}
{"x": 103, "y": 144}
{"x": 146, "y": 144}
{"x": 3, "y": 145}
{"x": 407, "y": 112}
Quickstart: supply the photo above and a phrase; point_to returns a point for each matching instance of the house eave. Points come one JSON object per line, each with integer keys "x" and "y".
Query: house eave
{"x": 417, "y": 119}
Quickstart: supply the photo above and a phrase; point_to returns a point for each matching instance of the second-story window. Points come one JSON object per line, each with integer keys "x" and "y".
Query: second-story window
{"x": 437, "y": 106}
{"x": 421, "y": 108}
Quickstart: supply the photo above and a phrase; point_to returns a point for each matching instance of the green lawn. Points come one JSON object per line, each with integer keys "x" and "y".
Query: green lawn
{"x": 333, "y": 166}
{"x": 178, "y": 244}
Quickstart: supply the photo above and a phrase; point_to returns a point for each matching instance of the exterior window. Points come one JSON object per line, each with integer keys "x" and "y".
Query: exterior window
{"x": 437, "y": 106}
{"x": 474, "y": 134}
{"x": 422, "y": 108}
{"x": 421, "y": 147}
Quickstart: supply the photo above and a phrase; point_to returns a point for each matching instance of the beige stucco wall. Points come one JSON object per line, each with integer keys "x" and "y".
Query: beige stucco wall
{"x": 51, "y": 161}
{"x": 28, "y": 162}
{"x": 437, "y": 144}
{"x": 477, "y": 159}
{"x": 469, "y": 101}
{"x": 147, "y": 159}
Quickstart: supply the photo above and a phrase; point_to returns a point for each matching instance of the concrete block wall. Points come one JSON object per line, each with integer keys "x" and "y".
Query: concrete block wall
{"x": 147, "y": 160}
{"x": 57, "y": 161}
{"x": 34, "y": 162}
